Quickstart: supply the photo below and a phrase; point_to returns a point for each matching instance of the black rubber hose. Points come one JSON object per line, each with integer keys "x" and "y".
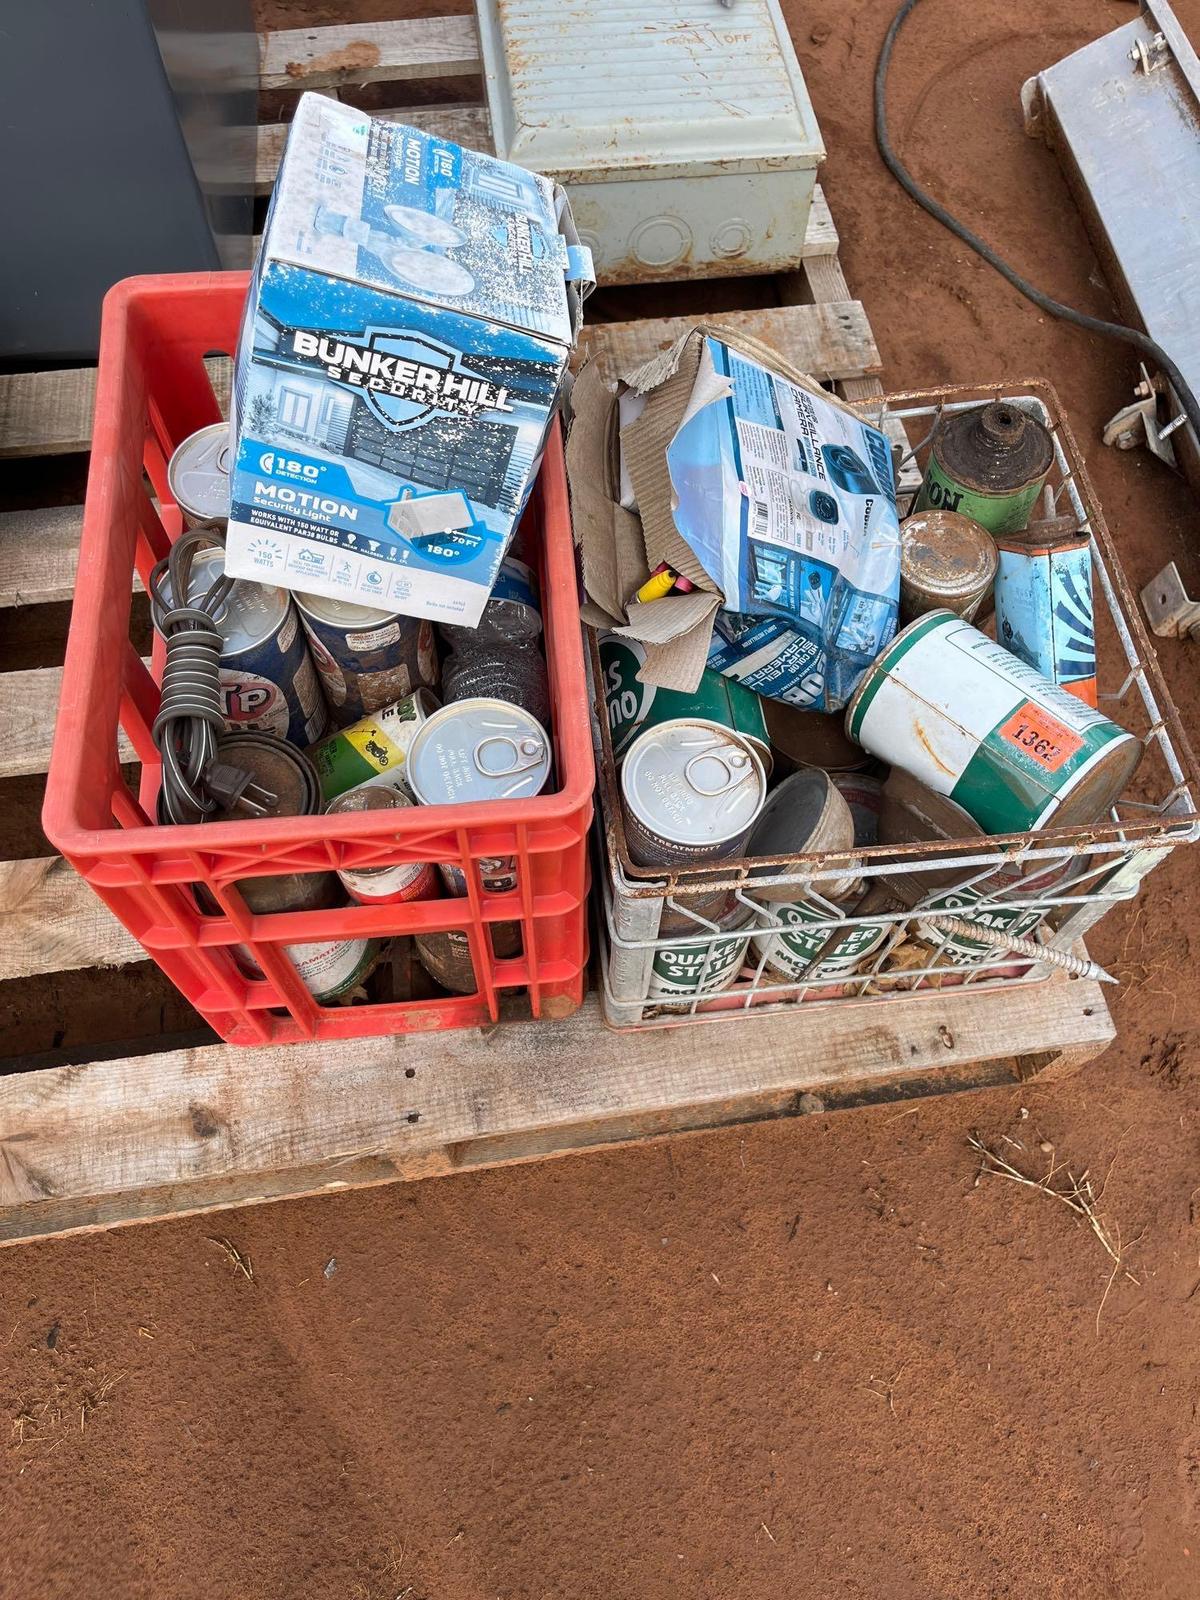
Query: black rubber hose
{"x": 1109, "y": 330}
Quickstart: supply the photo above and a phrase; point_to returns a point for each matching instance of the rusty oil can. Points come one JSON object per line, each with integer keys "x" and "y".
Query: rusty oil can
{"x": 989, "y": 464}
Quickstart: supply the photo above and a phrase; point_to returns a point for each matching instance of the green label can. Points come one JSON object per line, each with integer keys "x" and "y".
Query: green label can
{"x": 988, "y": 463}
{"x": 694, "y": 968}
{"x": 972, "y": 722}
{"x": 633, "y": 706}
{"x": 373, "y": 750}
{"x": 809, "y": 950}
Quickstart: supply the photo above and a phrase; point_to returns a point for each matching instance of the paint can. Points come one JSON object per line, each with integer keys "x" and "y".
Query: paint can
{"x": 367, "y": 658}
{"x": 374, "y": 750}
{"x": 479, "y": 750}
{"x": 633, "y": 706}
{"x": 699, "y": 965}
{"x": 1044, "y": 606}
{"x": 804, "y": 815}
{"x": 690, "y": 790}
{"x": 329, "y": 968}
{"x": 512, "y": 616}
{"x": 515, "y": 673}
{"x": 946, "y": 560}
{"x": 398, "y": 881}
{"x": 988, "y": 463}
{"x": 198, "y": 475}
{"x": 971, "y": 721}
{"x": 446, "y": 957}
{"x": 267, "y": 680}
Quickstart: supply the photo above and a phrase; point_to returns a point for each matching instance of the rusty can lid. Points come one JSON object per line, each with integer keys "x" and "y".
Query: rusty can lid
{"x": 280, "y": 768}
{"x": 198, "y": 473}
{"x": 370, "y": 797}
{"x": 342, "y": 613}
{"x": 994, "y": 448}
{"x": 478, "y": 750}
{"x": 945, "y": 560}
{"x": 693, "y": 782}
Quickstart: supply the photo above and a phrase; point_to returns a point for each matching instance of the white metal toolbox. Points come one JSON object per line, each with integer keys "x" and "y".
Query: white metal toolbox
{"x": 682, "y": 128}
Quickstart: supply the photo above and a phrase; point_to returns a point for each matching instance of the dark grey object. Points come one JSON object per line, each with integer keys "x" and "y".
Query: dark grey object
{"x": 130, "y": 149}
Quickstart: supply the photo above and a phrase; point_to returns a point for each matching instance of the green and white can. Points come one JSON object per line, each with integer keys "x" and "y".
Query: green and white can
{"x": 809, "y": 950}
{"x": 699, "y": 966}
{"x": 969, "y": 720}
{"x": 633, "y": 706}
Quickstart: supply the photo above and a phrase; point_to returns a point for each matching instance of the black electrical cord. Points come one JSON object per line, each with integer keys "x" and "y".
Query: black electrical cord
{"x": 1108, "y": 330}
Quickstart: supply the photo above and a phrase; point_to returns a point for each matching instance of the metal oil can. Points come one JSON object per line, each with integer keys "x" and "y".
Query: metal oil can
{"x": 989, "y": 464}
{"x": 1044, "y": 604}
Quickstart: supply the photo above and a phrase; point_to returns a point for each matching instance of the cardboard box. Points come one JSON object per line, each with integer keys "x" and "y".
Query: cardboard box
{"x": 772, "y": 497}
{"x": 406, "y": 335}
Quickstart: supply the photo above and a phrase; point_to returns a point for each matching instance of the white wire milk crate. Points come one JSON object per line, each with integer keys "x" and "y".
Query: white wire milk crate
{"x": 921, "y": 908}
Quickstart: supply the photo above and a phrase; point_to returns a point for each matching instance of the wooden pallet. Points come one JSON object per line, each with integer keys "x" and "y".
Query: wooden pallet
{"x": 160, "y": 1134}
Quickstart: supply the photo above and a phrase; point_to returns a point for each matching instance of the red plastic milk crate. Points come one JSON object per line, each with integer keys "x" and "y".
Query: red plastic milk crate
{"x": 152, "y": 392}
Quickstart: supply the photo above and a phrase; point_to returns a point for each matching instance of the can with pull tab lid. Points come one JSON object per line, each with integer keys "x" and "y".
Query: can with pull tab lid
{"x": 268, "y": 684}
{"x": 198, "y": 475}
{"x": 691, "y": 791}
{"x": 367, "y": 658}
{"x": 479, "y": 750}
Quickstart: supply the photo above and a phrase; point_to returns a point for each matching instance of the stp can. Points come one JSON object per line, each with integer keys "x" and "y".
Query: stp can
{"x": 970, "y": 720}
{"x": 267, "y": 680}
{"x": 395, "y": 881}
{"x": 367, "y": 658}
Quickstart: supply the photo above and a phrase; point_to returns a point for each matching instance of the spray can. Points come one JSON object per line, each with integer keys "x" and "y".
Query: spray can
{"x": 988, "y": 464}
{"x": 1044, "y": 609}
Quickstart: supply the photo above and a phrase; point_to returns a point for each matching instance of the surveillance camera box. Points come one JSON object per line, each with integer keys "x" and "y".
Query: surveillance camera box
{"x": 403, "y": 349}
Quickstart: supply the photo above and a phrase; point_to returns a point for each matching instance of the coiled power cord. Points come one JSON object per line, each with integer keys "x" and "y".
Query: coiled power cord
{"x": 1055, "y": 308}
{"x": 190, "y": 720}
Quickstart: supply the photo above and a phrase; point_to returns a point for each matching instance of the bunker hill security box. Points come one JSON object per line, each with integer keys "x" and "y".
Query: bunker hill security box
{"x": 683, "y": 128}
{"x": 405, "y": 338}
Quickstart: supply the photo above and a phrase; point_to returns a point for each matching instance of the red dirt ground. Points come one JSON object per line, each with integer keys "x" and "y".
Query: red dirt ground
{"x": 809, "y": 1359}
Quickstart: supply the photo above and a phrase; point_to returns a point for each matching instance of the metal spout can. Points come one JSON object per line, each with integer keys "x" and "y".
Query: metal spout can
{"x": 366, "y": 658}
{"x": 1044, "y": 604}
{"x": 989, "y": 464}
{"x": 399, "y": 881}
{"x": 373, "y": 751}
{"x": 946, "y": 561}
{"x": 970, "y": 720}
{"x": 198, "y": 475}
{"x": 633, "y": 706}
{"x": 691, "y": 790}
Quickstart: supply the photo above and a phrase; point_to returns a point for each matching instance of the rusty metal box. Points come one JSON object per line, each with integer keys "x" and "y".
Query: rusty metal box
{"x": 682, "y": 128}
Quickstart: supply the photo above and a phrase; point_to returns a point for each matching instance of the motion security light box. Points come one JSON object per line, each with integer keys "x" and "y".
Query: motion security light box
{"x": 405, "y": 338}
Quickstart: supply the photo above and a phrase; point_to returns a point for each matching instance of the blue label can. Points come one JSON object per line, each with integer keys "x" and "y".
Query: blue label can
{"x": 1044, "y": 607}
{"x": 367, "y": 658}
{"x": 268, "y": 684}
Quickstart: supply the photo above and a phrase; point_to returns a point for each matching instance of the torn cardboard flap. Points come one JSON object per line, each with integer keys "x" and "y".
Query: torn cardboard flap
{"x": 611, "y": 547}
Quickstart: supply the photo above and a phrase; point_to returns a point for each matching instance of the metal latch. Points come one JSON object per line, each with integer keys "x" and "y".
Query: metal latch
{"x": 1149, "y": 54}
{"x": 1138, "y": 422}
{"x": 1170, "y": 613}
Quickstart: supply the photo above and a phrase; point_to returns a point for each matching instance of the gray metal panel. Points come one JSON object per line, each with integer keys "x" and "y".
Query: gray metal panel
{"x": 98, "y": 183}
{"x": 1129, "y": 141}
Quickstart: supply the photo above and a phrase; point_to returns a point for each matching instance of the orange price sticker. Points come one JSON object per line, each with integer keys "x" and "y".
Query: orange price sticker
{"x": 1033, "y": 732}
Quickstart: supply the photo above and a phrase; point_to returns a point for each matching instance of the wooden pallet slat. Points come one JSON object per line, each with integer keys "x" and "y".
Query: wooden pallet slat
{"x": 86, "y": 1147}
{"x": 51, "y": 921}
{"x": 28, "y": 709}
{"x": 369, "y": 52}
{"x": 39, "y": 551}
{"x": 834, "y": 341}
